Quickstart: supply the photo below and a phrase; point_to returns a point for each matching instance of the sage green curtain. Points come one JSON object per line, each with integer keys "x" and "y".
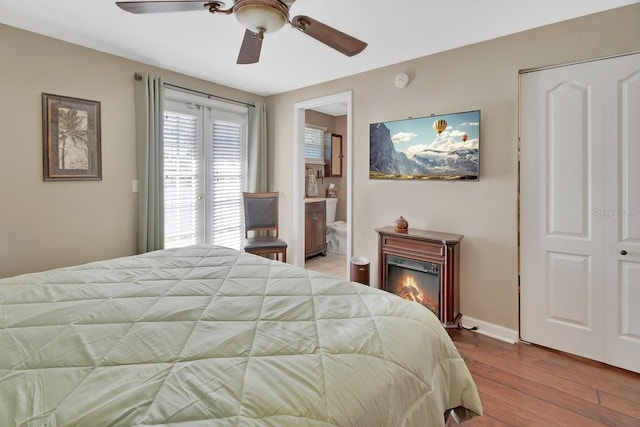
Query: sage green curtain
{"x": 257, "y": 149}
{"x": 149, "y": 110}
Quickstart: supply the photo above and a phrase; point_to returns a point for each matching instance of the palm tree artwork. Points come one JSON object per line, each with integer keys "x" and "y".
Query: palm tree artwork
{"x": 71, "y": 138}
{"x": 73, "y": 147}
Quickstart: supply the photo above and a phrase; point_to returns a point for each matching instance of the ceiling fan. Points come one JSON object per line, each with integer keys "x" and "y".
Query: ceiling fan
{"x": 259, "y": 17}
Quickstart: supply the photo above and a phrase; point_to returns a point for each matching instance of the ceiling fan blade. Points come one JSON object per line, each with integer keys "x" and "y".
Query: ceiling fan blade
{"x": 162, "y": 6}
{"x": 336, "y": 39}
{"x": 250, "y": 50}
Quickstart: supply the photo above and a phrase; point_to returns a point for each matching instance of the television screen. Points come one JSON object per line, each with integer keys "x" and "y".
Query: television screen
{"x": 444, "y": 147}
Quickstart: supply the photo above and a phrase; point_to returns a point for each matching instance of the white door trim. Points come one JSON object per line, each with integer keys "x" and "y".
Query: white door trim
{"x": 297, "y": 247}
{"x": 567, "y": 64}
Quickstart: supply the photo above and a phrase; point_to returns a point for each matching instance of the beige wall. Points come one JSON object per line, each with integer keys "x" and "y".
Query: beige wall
{"x": 485, "y": 77}
{"x": 52, "y": 224}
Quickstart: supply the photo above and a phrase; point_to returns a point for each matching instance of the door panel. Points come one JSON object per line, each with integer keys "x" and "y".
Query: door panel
{"x": 568, "y": 138}
{"x": 569, "y": 289}
{"x": 621, "y": 214}
{"x": 561, "y": 180}
{"x": 630, "y": 315}
{"x": 629, "y": 94}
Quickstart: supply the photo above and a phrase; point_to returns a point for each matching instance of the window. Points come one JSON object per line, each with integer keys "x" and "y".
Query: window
{"x": 225, "y": 221}
{"x": 204, "y": 152}
{"x": 314, "y": 139}
{"x": 181, "y": 179}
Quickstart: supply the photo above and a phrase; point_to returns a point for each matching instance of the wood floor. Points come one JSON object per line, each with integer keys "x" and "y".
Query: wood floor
{"x": 526, "y": 385}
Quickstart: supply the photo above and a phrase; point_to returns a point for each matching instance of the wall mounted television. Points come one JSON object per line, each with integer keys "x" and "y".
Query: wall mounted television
{"x": 445, "y": 147}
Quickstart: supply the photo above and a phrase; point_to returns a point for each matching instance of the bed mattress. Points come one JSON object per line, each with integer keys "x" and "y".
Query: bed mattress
{"x": 210, "y": 336}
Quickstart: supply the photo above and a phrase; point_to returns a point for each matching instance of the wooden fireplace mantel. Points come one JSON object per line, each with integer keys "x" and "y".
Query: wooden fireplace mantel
{"x": 430, "y": 246}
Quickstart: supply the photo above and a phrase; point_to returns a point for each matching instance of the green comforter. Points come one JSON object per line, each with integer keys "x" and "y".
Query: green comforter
{"x": 210, "y": 336}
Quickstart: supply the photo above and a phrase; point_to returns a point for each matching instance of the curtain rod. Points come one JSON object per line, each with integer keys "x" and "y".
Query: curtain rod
{"x": 138, "y": 77}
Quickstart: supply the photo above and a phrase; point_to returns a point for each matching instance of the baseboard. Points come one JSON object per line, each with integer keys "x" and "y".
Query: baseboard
{"x": 489, "y": 329}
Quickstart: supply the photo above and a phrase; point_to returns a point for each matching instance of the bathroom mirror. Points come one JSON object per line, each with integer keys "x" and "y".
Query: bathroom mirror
{"x": 333, "y": 156}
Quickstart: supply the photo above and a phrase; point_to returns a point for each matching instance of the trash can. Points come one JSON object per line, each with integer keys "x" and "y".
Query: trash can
{"x": 360, "y": 270}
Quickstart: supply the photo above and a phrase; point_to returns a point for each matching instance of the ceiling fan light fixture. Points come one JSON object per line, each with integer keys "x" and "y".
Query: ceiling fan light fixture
{"x": 268, "y": 16}
{"x": 258, "y": 17}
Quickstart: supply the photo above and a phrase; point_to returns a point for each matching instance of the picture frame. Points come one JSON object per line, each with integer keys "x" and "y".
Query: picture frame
{"x": 442, "y": 147}
{"x": 71, "y": 139}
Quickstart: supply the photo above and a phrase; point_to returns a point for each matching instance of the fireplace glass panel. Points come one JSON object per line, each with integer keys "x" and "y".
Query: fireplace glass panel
{"x": 414, "y": 280}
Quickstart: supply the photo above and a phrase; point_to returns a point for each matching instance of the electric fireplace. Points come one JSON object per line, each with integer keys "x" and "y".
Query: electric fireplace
{"x": 422, "y": 266}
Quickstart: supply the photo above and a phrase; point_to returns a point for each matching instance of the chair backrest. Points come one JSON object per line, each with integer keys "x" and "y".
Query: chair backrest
{"x": 260, "y": 212}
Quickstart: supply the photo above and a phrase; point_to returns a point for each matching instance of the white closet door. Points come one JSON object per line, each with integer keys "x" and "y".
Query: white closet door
{"x": 580, "y": 207}
{"x": 622, "y": 219}
{"x": 561, "y": 176}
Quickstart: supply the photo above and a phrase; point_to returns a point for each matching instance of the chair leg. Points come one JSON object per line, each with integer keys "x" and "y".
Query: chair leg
{"x": 268, "y": 255}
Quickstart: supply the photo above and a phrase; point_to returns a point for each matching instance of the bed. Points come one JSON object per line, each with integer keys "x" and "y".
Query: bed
{"x": 206, "y": 335}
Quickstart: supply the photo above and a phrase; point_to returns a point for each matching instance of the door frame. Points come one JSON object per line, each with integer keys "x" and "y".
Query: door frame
{"x": 299, "y": 108}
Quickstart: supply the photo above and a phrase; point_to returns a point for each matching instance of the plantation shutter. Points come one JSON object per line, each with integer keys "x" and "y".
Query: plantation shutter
{"x": 225, "y": 225}
{"x": 181, "y": 179}
{"x": 204, "y": 159}
{"x": 314, "y": 144}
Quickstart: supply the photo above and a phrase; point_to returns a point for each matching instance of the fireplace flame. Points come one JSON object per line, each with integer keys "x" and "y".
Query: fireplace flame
{"x": 410, "y": 290}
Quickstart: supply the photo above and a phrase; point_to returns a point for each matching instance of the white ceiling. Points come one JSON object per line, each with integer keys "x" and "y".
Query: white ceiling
{"x": 206, "y": 46}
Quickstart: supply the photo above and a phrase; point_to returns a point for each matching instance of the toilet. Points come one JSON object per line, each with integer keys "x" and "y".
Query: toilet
{"x": 336, "y": 230}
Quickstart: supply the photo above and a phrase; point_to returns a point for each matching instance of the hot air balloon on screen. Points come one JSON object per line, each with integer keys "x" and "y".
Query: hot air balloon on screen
{"x": 439, "y": 125}
{"x": 464, "y": 138}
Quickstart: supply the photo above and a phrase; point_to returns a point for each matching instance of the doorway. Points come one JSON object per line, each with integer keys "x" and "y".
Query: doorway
{"x": 343, "y": 101}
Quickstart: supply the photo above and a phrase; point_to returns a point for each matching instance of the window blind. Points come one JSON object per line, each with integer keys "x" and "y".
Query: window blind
{"x": 226, "y": 221}
{"x": 181, "y": 170}
{"x": 314, "y": 144}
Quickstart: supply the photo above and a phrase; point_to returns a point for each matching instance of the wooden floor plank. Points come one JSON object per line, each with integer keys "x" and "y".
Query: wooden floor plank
{"x": 620, "y": 404}
{"x": 599, "y": 376}
{"x": 531, "y": 410}
{"x": 602, "y": 415}
{"x": 525, "y": 385}
{"x": 500, "y": 410}
{"x": 602, "y": 378}
{"x": 519, "y": 368}
{"x": 485, "y": 421}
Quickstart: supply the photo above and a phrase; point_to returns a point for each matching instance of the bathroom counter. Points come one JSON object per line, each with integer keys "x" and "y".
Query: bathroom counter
{"x": 314, "y": 199}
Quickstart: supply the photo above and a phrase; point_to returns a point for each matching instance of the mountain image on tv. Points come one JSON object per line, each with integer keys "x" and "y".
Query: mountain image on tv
{"x": 445, "y": 147}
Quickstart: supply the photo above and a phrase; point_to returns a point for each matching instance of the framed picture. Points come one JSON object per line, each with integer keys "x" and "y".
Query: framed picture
{"x": 444, "y": 147}
{"x": 71, "y": 139}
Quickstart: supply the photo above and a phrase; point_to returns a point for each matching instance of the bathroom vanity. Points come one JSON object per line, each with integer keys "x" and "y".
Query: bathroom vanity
{"x": 315, "y": 227}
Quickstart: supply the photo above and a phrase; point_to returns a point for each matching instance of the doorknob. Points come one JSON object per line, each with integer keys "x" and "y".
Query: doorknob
{"x": 623, "y": 252}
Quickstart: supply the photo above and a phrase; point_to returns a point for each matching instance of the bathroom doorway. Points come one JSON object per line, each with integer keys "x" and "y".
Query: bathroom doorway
{"x": 337, "y": 105}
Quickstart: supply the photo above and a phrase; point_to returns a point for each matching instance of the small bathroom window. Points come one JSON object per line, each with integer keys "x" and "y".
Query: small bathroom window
{"x": 314, "y": 144}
